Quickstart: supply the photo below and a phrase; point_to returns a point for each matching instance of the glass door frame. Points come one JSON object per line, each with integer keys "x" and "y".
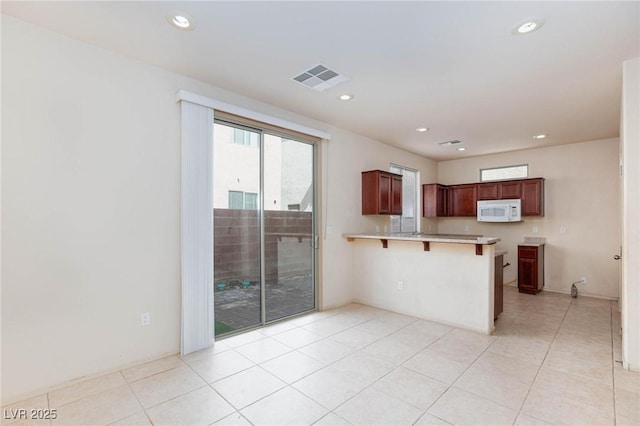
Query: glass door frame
{"x": 314, "y": 242}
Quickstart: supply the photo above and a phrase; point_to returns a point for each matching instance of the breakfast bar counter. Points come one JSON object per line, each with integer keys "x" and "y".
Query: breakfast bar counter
{"x": 426, "y": 239}
{"x": 448, "y": 278}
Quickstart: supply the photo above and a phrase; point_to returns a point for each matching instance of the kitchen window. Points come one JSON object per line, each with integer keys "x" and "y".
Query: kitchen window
{"x": 504, "y": 173}
{"x": 408, "y": 221}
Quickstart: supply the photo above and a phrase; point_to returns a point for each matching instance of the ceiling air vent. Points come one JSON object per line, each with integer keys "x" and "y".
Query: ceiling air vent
{"x": 320, "y": 78}
{"x": 450, "y": 143}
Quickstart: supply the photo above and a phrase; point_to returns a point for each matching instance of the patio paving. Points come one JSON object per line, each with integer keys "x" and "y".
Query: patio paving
{"x": 238, "y": 307}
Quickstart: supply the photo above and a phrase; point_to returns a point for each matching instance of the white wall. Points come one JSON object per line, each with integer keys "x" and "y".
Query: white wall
{"x": 343, "y": 164}
{"x": 581, "y": 194}
{"x": 630, "y": 140}
{"x": 90, "y": 207}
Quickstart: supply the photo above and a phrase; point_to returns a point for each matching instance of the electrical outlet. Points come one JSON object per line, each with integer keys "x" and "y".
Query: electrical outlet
{"x": 535, "y": 229}
{"x": 400, "y": 285}
{"x": 466, "y": 228}
{"x": 583, "y": 280}
{"x": 563, "y": 229}
{"x": 145, "y": 318}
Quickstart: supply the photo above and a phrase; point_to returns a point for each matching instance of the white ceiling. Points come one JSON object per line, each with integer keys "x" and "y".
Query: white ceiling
{"x": 454, "y": 67}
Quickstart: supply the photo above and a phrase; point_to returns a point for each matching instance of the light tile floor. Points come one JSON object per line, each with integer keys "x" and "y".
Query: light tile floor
{"x": 552, "y": 360}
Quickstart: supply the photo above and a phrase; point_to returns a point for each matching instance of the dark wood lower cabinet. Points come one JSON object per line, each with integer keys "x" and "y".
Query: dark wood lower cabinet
{"x": 530, "y": 269}
{"x": 498, "y": 286}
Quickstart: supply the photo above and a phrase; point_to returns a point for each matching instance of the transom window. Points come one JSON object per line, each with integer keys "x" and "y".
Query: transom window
{"x": 504, "y": 173}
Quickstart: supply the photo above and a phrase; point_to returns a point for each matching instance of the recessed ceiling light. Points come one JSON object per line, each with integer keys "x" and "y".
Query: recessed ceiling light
{"x": 422, "y": 129}
{"x": 528, "y": 26}
{"x": 540, "y": 136}
{"x": 345, "y": 97}
{"x": 462, "y": 148}
{"x": 182, "y": 21}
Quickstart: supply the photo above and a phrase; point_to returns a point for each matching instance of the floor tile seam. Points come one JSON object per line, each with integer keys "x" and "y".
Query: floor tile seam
{"x": 299, "y": 347}
{"x": 84, "y": 396}
{"x": 338, "y": 332}
{"x": 332, "y": 362}
{"x": 370, "y": 386}
{"x": 132, "y": 391}
{"x": 239, "y": 410}
{"x": 210, "y": 385}
{"x": 358, "y": 393}
{"x": 171, "y": 399}
{"x": 486, "y": 399}
{"x": 286, "y": 385}
{"x": 451, "y": 385}
{"x": 184, "y": 364}
{"x": 513, "y": 322}
{"x": 220, "y": 378}
{"x": 432, "y": 415}
{"x": 540, "y": 366}
{"x": 328, "y": 414}
{"x": 416, "y": 372}
{"x": 300, "y": 378}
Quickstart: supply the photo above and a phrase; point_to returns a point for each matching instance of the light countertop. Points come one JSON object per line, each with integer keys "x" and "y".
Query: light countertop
{"x": 533, "y": 241}
{"x": 434, "y": 238}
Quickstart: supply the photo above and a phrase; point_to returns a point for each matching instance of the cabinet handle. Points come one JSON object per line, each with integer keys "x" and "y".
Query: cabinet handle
{"x": 617, "y": 257}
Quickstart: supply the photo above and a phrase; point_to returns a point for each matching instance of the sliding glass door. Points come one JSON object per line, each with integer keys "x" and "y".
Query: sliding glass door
{"x": 264, "y": 236}
{"x": 288, "y": 227}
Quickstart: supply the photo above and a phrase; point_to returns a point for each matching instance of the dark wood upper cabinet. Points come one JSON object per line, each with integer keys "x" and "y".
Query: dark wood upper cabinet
{"x": 463, "y": 200}
{"x": 381, "y": 193}
{"x": 533, "y": 197}
{"x": 435, "y": 199}
{"x": 510, "y": 190}
{"x": 488, "y": 191}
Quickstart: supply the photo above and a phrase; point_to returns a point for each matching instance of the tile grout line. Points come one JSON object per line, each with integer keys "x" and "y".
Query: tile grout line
{"x": 144, "y": 410}
{"x": 295, "y": 350}
{"x": 390, "y": 371}
{"x": 542, "y": 363}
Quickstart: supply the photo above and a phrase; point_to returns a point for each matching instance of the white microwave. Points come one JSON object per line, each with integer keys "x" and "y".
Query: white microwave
{"x": 499, "y": 211}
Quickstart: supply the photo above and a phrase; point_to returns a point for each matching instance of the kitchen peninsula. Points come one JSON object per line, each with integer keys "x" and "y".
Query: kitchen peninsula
{"x": 440, "y": 277}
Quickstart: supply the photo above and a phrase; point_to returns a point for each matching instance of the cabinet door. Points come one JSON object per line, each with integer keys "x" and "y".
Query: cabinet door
{"x": 381, "y": 193}
{"x": 498, "y": 274}
{"x": 488, "y": 191}
{"x": 463, "y": 200}
{"x": 384, "y": 194}
{"x": 533, "y": 197}
{"x": 510, "y": 190}
{"x": 528, "y": 275}
{"x": 396, "y": 195}
{"x": 434, "y": 200}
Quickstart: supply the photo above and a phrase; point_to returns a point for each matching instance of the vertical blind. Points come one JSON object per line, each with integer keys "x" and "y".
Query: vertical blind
{"x": 197, "y": 227}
